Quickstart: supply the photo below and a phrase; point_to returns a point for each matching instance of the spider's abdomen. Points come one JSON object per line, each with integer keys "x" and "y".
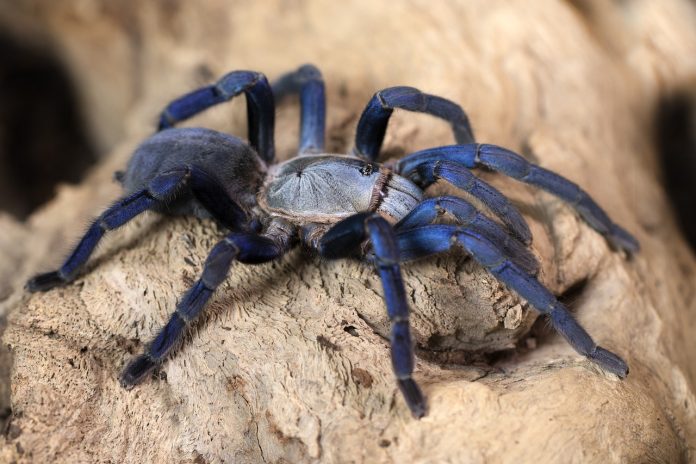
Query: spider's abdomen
{"x": 227, "y": 158}
{"x": 328, "y": 188}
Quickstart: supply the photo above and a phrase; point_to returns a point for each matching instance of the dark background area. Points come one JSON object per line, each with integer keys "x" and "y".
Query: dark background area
{"x": 42, "y": 135}
{"x": 675, "y": 121}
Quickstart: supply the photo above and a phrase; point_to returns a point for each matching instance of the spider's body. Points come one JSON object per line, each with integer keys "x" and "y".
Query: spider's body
{"x": 312, "y": 189}
{"x": 323, "y": 189}
{"x": 230, "y": 160}
{"x": 338, "y": 205}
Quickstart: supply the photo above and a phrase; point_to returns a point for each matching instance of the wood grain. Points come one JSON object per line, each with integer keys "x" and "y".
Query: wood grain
{"x": 290, "y": 364}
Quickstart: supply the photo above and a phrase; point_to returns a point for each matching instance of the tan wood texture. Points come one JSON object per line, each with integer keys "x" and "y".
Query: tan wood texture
{"x": 290, "y": 362}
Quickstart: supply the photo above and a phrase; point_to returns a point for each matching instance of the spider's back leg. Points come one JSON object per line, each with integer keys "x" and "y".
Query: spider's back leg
{"x": 308, "y": 83}
{"x": 245, "y": 247}
{"x": 161, "y": 191}
{"x": 189, "y": 171}
{"x": 260, "y": 107}
{"x": 430, "y": 171}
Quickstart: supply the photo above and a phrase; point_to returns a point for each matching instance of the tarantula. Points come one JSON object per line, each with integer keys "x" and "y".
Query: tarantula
{"x": 338, "y": 205}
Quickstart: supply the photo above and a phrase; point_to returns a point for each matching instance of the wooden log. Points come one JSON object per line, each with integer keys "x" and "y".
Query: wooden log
{"x": 290, "y": 363}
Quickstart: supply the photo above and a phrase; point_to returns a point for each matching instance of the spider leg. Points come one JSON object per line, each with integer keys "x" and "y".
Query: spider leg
{"x": 373, "y": 121}
{"x": 468, "y": 216}
{"x": 161, "y": 191}
{"x": 343, "y": 239}
{"x": 431, "y": 239}
{"x": 306, "y": 81}
{"x": 515, "y": 166}
{"x": 260, "y": 107}
{"x": 429, "y": 172}
{"x": 248, "y": 248}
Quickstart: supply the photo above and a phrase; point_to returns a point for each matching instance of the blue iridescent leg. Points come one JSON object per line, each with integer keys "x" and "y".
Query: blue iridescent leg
{"x": 306, "y": 81}
{"x": 512, "y": 164}
{"x": 375, "y": 117}
{"x": 246, "y": 248}
{"x": 344, "y": 239}
{"x": 260, "y": 107}
{"x": 465, "y": 214}
{"x": 429, "y": 172}
{"x": 428, "y": 240}
{"x": 160, "y": 191}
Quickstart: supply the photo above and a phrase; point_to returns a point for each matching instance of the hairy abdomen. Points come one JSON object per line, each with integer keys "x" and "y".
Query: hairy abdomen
{"x": 228, "y": 159}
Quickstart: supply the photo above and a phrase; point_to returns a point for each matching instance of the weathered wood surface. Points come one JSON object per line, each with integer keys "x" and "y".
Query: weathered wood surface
{"x": 290, "y": 363}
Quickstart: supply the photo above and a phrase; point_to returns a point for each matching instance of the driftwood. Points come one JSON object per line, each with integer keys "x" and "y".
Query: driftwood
{"x": 290, "y": 363}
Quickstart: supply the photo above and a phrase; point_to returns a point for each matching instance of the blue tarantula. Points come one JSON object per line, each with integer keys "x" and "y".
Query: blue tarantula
{"x": 338, "y": 205}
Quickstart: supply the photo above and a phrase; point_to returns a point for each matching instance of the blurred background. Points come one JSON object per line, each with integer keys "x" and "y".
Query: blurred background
{"x": 43, "y": 136}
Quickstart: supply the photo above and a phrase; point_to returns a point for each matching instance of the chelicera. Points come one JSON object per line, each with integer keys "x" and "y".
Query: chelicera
{"x": 337, "y": 205}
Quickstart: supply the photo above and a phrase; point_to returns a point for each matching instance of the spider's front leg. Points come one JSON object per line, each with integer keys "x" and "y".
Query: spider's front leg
{"x": 161, "y": 191}
{"x": 375, "y": 117}
{"x": 428, "y": 240}
{"x": 500, "y": 159}
{"x": 430, "y": 172}
{"x": 466, "y": 215}
{"x": 341, "y": 241}
{"x": 248, "y": 248}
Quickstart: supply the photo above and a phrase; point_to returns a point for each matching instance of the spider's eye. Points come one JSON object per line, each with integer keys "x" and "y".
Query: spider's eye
{"x": 366, "y": 170}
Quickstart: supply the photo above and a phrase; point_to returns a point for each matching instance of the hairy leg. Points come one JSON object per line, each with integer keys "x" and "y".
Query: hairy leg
{"x": 160, "y": 191}
{"x": 260, "y": 107}
{"x": 432, "y": 239}
{"x": 308, "y": 83}
{"x": 375, "y": 117}
{"x": 515, "y": 166}
{"x": 345, "y": 238}
{"x": 466, "y": 215}
{"x": 249, "y": 248}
